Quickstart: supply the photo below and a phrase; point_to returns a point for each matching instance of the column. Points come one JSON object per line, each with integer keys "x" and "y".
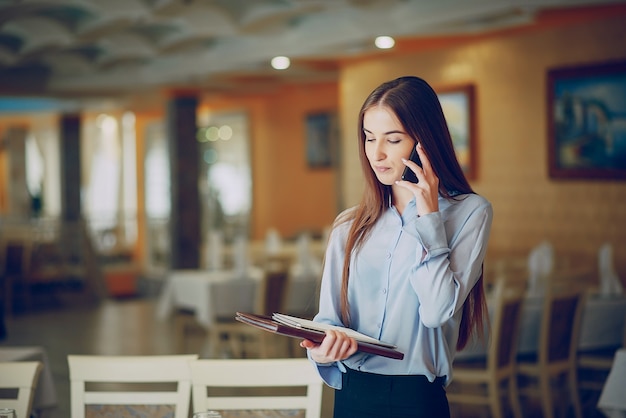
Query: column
{"x": 72, "y": 233}
{"x": 70, "y": 167}
{"x": 185, "y": 225}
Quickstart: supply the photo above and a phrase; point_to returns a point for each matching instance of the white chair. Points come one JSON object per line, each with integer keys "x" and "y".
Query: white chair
{"x": 125, "y": 370}
{"x": 20, "y": 375}
{"x": 256, "y": 373}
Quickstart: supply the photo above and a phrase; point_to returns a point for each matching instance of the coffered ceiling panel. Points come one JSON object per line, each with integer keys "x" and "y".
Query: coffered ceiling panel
{"x": 81, "y": 47}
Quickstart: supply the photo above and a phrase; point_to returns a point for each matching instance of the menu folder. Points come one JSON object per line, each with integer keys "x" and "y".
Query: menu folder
{"x": 268, "y": 324}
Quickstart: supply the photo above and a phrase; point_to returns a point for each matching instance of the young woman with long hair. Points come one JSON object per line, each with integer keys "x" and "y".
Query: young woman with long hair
{"x": 405, "y": 265}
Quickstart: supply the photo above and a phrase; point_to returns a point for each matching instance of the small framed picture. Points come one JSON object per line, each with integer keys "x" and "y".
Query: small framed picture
{"x": 458, "y": 108}
{"x": 321, "y": 139}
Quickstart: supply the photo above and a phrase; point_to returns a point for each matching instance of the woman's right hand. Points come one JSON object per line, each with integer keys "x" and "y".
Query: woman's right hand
{"x": 334, "y": 347}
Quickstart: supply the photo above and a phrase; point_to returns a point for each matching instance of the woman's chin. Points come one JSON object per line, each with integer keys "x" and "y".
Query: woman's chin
{"x": 387, "y": 180}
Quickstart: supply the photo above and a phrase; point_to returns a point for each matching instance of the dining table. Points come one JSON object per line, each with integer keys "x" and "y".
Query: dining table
{"x": 45, "y": 396}
{"x": 602, "y": 326}
{"x": 209, "y": 294}
{"x": 612, "y": 401}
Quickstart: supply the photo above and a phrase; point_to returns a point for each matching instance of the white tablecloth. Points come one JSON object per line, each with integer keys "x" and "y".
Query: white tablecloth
{"x": 208, "y": 294}
{"x": 612, "y": 401}
{"x": 45, "y": 393}
{"x": 602, "y": 325}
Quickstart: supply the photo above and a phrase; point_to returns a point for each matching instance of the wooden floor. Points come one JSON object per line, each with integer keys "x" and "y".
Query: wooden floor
{"x": 114, "y": 327}
{"x": 118, "y": 327}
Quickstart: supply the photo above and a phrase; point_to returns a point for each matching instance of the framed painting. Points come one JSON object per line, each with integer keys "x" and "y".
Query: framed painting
{"x": 459, "y": 110}
{"x": 321, "y": 139}
{"x": 587, "y": 121}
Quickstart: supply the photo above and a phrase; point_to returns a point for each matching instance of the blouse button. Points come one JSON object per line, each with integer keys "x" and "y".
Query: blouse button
{"x": 388, "y": 256}
{"x": 384, "y": 291}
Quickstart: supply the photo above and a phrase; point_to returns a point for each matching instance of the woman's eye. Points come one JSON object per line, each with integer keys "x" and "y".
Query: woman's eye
{"x": 369, "y": 139}
{"x": 394, "y": 141}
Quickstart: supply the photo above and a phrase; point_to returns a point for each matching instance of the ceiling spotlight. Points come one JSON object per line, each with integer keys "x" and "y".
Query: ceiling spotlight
{"x": 384, "y": 42}
{"x": 280, "y": 63}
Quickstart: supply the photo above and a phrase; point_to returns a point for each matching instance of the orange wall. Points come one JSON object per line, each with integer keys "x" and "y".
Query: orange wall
{"x": 287, "y": 194}
{"x": 509, "y": 73}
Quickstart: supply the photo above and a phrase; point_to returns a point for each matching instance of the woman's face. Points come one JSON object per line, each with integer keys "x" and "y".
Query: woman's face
{"x": 386, "y": 143}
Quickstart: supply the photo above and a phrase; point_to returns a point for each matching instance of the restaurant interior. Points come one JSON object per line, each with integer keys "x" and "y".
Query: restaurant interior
{"x": 157, "y": 175}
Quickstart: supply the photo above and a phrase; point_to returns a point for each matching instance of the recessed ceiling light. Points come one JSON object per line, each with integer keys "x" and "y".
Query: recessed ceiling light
{"x": 384, "y": 42}
{"x": 280, "y": 63}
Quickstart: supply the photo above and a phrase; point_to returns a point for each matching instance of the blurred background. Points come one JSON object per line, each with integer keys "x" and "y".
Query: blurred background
{"x": 131, "y": 131}
{"x": 140, "y": 118}
{"x": 141, "y": 137}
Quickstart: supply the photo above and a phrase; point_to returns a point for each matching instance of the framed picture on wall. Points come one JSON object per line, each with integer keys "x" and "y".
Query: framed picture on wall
{"x": 587, "y": 121}
{"x": 458, "y": 107}
{"x": 321, "y": 139}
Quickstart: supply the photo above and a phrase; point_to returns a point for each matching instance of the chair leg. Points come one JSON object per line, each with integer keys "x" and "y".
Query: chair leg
{"x": 495, "y": 401}
{"x": 214, "y": 344}
{"x": 264, "y": 343}
{"x": 179, "y": 332}
{"x": 546, "y": 397}
{"x": 574, "y": 395}
{"x": 514, "y": 397}
{"x": 237, "y": 344}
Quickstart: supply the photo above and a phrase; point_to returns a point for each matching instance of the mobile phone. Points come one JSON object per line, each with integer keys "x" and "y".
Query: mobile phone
{"x": 408, "y": 174}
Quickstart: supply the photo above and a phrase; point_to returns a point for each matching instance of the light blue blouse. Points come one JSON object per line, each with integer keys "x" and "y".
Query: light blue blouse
{"x": 407, "y": 285}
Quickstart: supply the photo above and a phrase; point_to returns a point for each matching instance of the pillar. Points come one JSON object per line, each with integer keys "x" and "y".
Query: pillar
{"x": 185, "y": 234}
{"x": 70, "y": 167}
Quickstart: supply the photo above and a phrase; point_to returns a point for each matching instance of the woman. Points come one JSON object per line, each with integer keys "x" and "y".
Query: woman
{"x": 405, "y": 265}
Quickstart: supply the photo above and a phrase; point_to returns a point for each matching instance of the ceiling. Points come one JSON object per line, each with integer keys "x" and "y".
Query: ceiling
{"x": 88, "y": 47}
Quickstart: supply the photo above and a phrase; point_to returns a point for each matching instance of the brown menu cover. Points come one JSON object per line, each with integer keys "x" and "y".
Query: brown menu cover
{"x": 266, "y": 323}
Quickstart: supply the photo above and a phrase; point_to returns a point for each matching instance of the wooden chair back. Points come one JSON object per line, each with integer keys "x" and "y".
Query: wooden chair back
{"x": 561, "y": 319}
{"x": 509, "y": 301}
{"x": 273, "y": 291}
{"x": 560, "y": 325}
{"x": 487, "y": 376}
{"x": 258, "y": 374}
{"x": 118, "y": 372}
{"x": 23, "y": 376}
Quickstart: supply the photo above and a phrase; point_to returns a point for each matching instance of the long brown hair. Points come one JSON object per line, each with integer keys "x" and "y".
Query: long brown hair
{"x": 417, "y": 107}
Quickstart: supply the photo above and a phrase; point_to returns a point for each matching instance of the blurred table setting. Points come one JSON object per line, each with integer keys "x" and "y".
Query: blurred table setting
{"x": 604, "y": 312}
{"x": 612, "y": 400}
{"x": 603, "y": 322}
{"x": 219, "y": 254}
{"x": 610, "y": 283}
{"x": 208, "y": 294}
{"x": 224, "y": 287}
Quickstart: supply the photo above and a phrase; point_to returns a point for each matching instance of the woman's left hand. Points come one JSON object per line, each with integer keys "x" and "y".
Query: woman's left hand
{"x": 335, "y": 346}
{"x": 426, "y": 191}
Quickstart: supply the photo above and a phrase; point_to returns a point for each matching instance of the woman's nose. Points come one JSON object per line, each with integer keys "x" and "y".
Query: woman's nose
{"x": 379, "y": 152}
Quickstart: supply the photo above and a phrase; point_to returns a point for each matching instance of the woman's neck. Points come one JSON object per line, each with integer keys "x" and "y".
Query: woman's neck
{"x": 400, "y": 198}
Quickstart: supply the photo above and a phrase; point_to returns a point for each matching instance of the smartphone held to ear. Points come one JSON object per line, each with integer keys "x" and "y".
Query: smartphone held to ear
{"x": 408, "y": 174}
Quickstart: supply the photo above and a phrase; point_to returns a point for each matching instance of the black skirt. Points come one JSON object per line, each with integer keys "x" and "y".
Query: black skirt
{"x": 372, "y": 395}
